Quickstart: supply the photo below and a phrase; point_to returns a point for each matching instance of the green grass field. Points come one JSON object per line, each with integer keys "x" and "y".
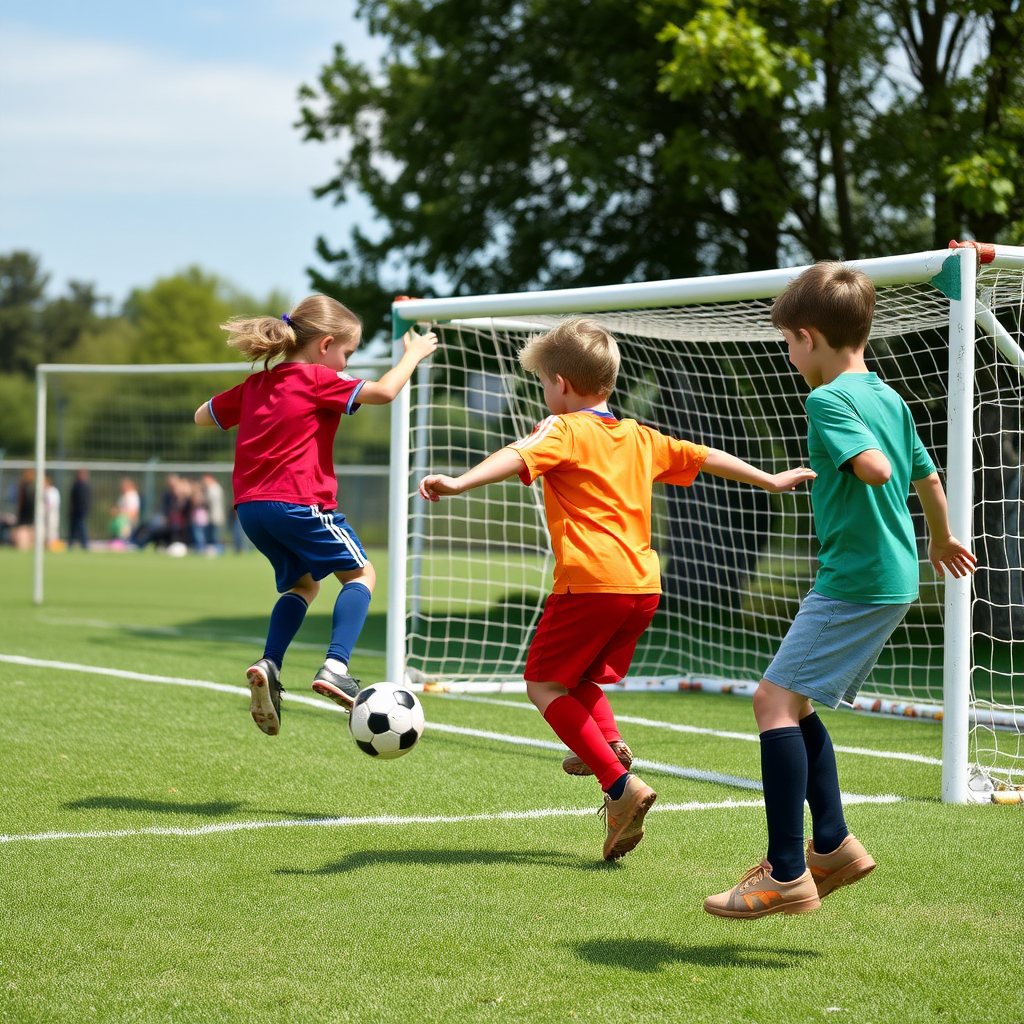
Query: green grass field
{"x": 166, "y": 861}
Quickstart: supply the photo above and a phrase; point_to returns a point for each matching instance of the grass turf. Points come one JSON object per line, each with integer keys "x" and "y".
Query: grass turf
{"x": 467, "y": 920}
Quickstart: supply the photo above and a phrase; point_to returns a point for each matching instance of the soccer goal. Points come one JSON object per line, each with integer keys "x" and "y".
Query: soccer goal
{"x": 700, "y": 359}
{"x": 128, "y": 422}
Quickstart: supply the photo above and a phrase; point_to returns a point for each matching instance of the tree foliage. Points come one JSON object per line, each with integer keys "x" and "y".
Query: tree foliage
{"x": 507, "y": 144}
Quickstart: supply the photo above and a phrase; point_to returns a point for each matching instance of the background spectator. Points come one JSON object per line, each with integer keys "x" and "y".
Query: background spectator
{"x": 80, "y": 501}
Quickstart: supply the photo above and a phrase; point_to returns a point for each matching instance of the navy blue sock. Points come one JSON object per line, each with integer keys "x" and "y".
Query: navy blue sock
{"x": 618, "y": 787}
{"x": 823, "y": 786}
{"x": 784, "y": 774}
{"x": 285, "y": 620}
{"x": 350, "y": 612}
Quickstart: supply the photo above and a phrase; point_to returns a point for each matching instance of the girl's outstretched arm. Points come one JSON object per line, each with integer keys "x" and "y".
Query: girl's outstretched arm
{"x": 385, "y": 390}
{"x": 505, "y": 463}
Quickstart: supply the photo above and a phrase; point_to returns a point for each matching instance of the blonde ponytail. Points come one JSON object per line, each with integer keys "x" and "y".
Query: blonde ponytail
{"x": 274, "y": 340}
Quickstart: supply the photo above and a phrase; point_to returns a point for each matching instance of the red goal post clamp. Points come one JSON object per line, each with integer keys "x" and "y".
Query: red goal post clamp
{"x": 986, "y": 250}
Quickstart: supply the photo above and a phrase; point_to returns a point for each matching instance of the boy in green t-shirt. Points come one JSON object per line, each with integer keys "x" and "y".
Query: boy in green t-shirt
{"x": 864, "y": 448}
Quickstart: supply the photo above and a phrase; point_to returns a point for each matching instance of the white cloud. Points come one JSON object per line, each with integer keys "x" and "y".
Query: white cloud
{"x": 83, "y": 117}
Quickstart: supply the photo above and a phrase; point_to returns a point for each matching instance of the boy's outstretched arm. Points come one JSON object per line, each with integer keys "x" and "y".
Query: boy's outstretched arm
{"x": 385, "y": 390}
{"x": 719, "y": 463}
{"x": 204, "y": 417}
{"x": 501, "y": 465}
{"x": 944, "y": 550}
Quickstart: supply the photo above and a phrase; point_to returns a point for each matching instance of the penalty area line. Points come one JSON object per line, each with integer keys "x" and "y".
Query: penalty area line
{"x": 391, "y": 819}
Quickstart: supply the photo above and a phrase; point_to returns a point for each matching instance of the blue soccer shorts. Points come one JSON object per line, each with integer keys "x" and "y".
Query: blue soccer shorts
{"x": 832, "y": 646}
{"x": 300, "y": 539}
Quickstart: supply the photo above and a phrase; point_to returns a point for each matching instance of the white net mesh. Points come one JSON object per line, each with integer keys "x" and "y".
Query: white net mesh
{"x": 735, "y": 560}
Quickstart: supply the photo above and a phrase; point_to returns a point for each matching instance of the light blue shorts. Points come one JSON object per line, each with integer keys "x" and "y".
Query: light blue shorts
{"x": 832, "y": 646}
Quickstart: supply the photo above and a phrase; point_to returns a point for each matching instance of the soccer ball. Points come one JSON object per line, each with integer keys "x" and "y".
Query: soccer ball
{"x": 386, "y": 720}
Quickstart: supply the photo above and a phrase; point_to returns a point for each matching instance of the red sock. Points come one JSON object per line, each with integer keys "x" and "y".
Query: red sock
{"x": 593, "y": 698}
{"x": 580, "y": 733}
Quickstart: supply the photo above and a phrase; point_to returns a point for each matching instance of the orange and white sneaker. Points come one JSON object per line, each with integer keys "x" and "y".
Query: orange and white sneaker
{"x": 575, "y": 765}
{"x": 846, "y": 864}
{"x": 624, "y": 817}
{"x": 757, "y": 894}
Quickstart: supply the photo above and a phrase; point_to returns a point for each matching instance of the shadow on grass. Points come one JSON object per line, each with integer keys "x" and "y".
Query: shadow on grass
{"x": 448, "y": 858}
{"x": 212, "y": 809}
{"x": 650, "y": 955}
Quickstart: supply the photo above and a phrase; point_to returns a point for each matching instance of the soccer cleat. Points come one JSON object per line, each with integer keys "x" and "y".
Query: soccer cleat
{"x": 846, "y": 864}
{"x": 624, "y": 818}
{"x": 264, "y": 680}
{"x": 342, "y": 689}
{"x": 757, "y": 894}
{"x": 574, "y": 765}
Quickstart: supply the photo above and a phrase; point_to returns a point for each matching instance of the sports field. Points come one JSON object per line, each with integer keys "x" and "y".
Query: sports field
{"x": 166, "y": 861}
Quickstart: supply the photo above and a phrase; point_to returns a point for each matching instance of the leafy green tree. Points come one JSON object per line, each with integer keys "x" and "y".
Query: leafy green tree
{"x": 22, "y": 287}
{"x": 178, "y": 319}
{"x": 507, "y": 145}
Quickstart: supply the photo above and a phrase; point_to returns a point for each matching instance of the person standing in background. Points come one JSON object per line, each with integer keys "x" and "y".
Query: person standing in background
{"x": 80, "y": 501}
{"x": 51, "y": 515}
{"x": 215, "y": 505}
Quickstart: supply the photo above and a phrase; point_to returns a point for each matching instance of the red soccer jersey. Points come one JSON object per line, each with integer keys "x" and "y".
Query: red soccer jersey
{"x": 287, "y": 418}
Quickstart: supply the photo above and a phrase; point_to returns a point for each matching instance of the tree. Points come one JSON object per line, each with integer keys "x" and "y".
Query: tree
{"x": 22, "y": 285}
{"x": 507, "y": 145}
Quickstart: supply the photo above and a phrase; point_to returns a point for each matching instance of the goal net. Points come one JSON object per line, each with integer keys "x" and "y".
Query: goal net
{"x": 735, "y": 560}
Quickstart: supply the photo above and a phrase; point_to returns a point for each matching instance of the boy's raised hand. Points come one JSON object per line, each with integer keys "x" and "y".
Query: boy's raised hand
{"x": 790, "y": 479}
{"x": 952, "y": 555}
{"x": 432, "y": 487}
{"x": 420, "y": 345}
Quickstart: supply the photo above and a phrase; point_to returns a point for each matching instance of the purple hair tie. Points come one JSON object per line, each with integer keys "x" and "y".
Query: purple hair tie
{"x": 286, "y": 318}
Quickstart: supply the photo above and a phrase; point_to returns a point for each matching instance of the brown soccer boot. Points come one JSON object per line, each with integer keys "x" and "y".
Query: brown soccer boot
{"x": 574, "y": 765}
{"x": 846, "y": 864}
{"x": 625, "y": 817}
{"x": 757, "y": 894}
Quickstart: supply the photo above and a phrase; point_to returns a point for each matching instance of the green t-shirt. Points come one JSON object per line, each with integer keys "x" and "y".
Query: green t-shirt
{"x": 868, "y": 549}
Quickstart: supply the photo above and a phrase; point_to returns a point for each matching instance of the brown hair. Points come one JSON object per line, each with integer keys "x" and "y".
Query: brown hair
{"x": 270, "y": 338}
{"x": 580, "y": 351}
{"x": 833, "y": 298}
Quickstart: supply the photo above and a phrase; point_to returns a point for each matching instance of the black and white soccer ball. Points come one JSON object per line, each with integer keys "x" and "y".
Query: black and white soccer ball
{"x": 386, "y": 720}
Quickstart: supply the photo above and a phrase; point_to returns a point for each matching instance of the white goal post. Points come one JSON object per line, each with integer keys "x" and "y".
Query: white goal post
{"x": 467, "y": 576}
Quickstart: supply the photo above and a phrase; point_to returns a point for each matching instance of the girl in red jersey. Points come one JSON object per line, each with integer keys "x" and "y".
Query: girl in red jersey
{"x": 284, "y": 483}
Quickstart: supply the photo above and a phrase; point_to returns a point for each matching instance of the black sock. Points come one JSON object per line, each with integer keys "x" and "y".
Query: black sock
{"x": 823, "y": 786}
{"x": 618, "y": 787}
{"x": 784, "y": 774}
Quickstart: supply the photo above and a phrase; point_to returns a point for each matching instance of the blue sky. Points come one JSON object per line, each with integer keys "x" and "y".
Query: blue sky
{"x": 137, "y": 138}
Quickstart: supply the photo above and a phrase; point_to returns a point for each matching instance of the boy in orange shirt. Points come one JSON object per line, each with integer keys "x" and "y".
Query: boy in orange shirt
{"x": 598, "y": 473}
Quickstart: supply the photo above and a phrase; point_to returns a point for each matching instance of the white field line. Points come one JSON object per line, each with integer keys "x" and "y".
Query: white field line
{"x": 748, "y": 737}
{"x": 699, "y": 774}
{"x": 196, "y": 634}
{"x": 394, "y": 819}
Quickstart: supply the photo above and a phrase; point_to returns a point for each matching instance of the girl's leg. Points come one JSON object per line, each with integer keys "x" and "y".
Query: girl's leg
{"x": 784, "y": 776}
{"x": 287, "y": 616}
{"x": 350, "y": 611}
{"x": 574, "y": 726}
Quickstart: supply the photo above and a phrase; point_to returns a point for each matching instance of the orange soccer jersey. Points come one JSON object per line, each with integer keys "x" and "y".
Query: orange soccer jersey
{"x": 598, "y": 472}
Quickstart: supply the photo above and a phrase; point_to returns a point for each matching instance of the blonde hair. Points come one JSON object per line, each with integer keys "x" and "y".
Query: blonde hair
{"x": 833, "y": 298}
{"x": 272, "y": 339}
{"x": 580, "y": 351}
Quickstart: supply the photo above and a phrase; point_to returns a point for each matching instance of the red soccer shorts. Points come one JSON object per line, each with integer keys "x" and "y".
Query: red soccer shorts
{"x": 588, "y": 636}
